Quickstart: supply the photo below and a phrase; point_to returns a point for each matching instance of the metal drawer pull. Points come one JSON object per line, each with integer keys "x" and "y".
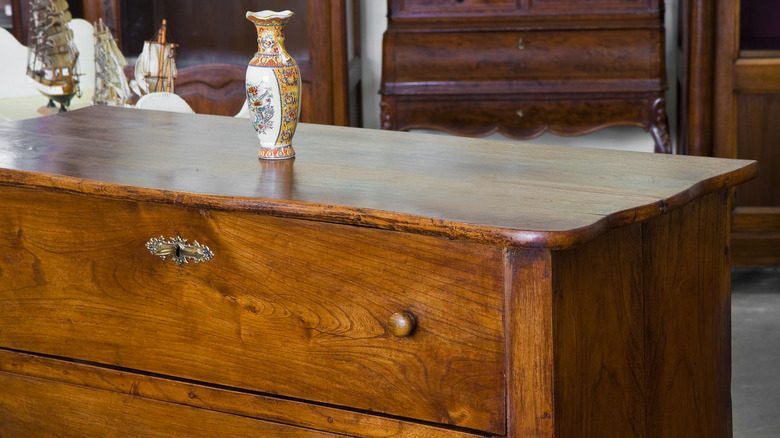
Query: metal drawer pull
{"x": 178, "y": 250}
{"x": 521, "y": 43}
{"x": 402, "y": 324}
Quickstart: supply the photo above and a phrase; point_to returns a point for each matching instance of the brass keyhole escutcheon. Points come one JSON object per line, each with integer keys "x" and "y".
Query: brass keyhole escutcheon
{"x": 179, "y": 250}
{"x": 520, "y": 113}
{"x": 521, "y": 43}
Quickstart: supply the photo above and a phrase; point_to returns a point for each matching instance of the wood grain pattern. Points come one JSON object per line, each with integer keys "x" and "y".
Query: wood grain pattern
{"x": 307, "y": 303}
{"x": 529, "y": 338}
{"x": 452, "y": 187}
{"x": 599, "y": 338}
{"x": 43, "y": 408}
{"x": 206, "y": 397}
{"x": 688, "y": 320}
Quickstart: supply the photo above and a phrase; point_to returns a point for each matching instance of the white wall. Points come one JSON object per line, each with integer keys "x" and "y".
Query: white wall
{"x": 374, "y": 23}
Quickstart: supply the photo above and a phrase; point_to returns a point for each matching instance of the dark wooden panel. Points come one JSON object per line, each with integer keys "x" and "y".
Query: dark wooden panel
{"x": 758, "y": 138}
{"x": 553, "y": 55}
{"x": 755, "y": 236}
{"x": 207, "y": 31}
{"x": 518, "y": 118}
{"x": 572, "y": 52}
{"x": 217, "y": 89}
{"x": 323, "y": 37}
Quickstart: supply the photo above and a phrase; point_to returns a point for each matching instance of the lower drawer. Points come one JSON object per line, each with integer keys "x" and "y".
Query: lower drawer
{"x": 294, "y": 308}
{"x": 43, "y": 396}
{"x": 32, "y": 407}
{"x": 518, "y": 117}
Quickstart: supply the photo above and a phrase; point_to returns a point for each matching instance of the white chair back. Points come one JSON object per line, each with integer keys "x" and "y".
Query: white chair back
{"x": 163, "y": 101}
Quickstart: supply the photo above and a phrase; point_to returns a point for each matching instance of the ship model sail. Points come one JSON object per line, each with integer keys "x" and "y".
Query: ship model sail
{"x": 155, "y": 69}
{"x": 111, "y": 86}
{"x": 52, "y": 55}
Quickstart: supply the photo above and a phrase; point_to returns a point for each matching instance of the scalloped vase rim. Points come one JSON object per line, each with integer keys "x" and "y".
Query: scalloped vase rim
{"x": 264, "y": 15}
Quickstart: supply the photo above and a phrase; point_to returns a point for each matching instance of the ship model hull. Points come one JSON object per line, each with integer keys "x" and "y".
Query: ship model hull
{"x": 52, "y": 54}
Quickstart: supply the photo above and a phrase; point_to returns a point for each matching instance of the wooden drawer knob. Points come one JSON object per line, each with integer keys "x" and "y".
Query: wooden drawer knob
{"x": 402, "y": 324}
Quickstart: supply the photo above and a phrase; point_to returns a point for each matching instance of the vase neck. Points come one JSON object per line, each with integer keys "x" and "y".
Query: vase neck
{"x": 270, "y": 44}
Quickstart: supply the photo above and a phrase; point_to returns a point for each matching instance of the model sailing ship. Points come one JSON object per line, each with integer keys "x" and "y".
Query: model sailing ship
{"x": 155, "y": 68}
{"x": 52, "y": 55}
{"x": 111, "y": 86}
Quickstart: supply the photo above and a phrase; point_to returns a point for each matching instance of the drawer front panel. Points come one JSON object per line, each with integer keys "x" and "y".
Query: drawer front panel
{"x": 542, "y": 55}
{"x": 453, "y": 7}
{"x": 522, "y": 118}
{"x": 31, "y": 407}
{"x": 289, "y": 307}
{"x": 499, "y": 8}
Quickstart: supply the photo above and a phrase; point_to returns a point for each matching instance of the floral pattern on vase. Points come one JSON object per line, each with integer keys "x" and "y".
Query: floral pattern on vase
{"x": 273, "y": 87}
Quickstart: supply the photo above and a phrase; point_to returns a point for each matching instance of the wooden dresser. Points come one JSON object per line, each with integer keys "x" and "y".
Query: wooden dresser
{"x": 381, "y": 284}
{"x": 521, "y": 67}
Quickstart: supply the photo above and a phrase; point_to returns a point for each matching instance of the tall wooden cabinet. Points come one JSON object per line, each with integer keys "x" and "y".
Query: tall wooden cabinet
{"x": 524, "y": 67}
{"x": 731, "y": 92}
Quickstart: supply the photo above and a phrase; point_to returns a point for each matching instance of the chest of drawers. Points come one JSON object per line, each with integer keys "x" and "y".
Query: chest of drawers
{"x": 524, "y": 67}
{"x": 380, "y": 284}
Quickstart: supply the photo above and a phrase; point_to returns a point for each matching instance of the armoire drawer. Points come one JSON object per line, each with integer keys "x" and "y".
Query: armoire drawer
{"x": 519, "y": 117}
{"x": 474, "y": 9}
{"x": 295, "y": 308}
{"x": 523, "y": 55}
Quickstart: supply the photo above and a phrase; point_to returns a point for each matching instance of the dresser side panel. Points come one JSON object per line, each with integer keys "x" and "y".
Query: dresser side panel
{"x": 599, "y": 337}
{"x": 688, "y": 319}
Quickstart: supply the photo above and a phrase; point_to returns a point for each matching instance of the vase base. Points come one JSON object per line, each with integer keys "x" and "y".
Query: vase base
{"x": 276, "y": 153}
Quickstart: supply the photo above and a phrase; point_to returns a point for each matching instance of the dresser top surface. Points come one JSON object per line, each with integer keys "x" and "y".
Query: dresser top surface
{"x": 501, "y": 192}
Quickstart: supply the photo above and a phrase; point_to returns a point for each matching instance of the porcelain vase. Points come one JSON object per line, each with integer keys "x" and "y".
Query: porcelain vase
{"x": 273, "y": 87}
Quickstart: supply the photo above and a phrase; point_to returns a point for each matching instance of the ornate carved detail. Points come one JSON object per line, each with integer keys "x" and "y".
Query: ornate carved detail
{"x": 387, "y": 116}
{"x": 659, "y": 127}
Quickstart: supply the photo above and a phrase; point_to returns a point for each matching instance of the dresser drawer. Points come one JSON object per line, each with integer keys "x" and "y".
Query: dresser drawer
{"x": 445, "y": 57}
{"x": 286, "y": 307}
{"x": 33, "y": 407}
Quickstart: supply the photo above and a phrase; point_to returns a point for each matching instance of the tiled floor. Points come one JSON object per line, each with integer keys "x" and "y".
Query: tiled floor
{"x": 755, "y": 324}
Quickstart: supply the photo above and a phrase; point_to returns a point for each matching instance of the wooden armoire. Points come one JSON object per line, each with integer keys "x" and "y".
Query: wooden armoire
{"x": 522, "y": 67}
{"x": 730, "y": 82}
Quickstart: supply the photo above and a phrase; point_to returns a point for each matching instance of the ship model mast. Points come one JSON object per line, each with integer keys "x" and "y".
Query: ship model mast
{"x": 52, "y": 54}
{"x": 155, "y": 69}
{"x": 110, "y": 81}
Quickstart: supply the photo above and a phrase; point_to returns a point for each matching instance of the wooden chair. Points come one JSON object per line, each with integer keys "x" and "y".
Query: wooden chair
{"x": 213, "y": 88}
